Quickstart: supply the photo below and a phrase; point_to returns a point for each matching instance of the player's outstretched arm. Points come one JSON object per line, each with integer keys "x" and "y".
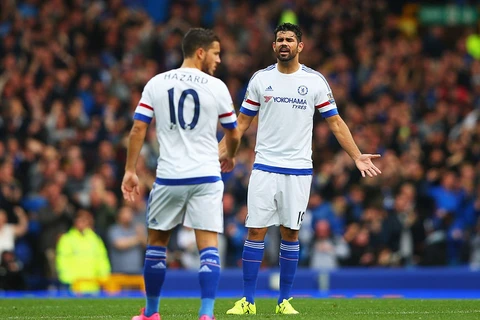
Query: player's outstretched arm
{"x": 344, "y": 136}
{"x": 243, "y": 123}
{"x": 135, "y": 143}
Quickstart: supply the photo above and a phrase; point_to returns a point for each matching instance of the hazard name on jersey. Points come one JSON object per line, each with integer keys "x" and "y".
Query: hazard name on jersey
{"x": 185, "y": 77}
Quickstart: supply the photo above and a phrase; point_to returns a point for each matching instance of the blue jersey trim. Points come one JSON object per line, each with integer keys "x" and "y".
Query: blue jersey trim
{"x": 187, "y": 181}
{"x": 296, "y": 172}
{"x": 329, "y": 113}
{"x": 248, "y": 112}
{"x": 231, "y": 125}
{"x": 141, "y": 117}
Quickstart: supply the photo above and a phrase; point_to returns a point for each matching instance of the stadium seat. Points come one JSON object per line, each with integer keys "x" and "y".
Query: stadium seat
{"x": 117, "y": 282}
{"x": 112, "y": 284}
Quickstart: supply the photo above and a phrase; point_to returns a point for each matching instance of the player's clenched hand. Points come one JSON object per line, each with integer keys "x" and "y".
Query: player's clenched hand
{"x": 365, "y": 165}
{"x": 226, "y": 163}
{"x": 130, "y": 186}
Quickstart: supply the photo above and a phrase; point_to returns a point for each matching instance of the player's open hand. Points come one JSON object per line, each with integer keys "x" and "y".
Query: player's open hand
{"x": 365, "y": 165}
{"x": 130, "y": 186}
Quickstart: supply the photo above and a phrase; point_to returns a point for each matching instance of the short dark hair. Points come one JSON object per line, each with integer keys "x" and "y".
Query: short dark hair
{"x": 287, "y": 26}
{"x": 197, "y": 38}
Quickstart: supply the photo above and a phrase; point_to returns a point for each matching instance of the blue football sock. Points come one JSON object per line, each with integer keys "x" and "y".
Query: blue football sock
{"x": 154, "y": 276}
{"x": 208, "y": 275}
{"x": 289, "y": 254}
{"x": 252, "y": 259}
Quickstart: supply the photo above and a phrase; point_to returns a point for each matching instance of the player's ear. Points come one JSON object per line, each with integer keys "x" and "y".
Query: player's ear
{"x": 200, "y": 53}
{"x": 273, "y": 47}
{"x": 300, "y": 47}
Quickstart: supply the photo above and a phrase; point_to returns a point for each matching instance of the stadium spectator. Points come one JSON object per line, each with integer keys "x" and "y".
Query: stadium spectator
{"x": 12, "y": 275}
{"x": 236, "y": 233}
{"x": 10, "y": 232}
{"x": 55, "y": 218}
{"x": 229, "y": 211}
{"x": 126, "y": 242}
{"x": 81, "y": 256}
{"x": 362, "y": 253}
{"x": 102, "y": 203}
{"x": 10, "y": 189}
{"x": 327, "y": 250}
{"x": 402, "y": 229}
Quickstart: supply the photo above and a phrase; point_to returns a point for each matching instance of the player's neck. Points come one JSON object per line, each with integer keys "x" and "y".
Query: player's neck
{"x": 288, "y": 66}
{"x": 191, "y": 63}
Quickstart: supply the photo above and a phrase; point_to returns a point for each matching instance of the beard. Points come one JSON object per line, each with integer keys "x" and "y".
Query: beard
{"x": 207, "y": 68}
{"x": 286, "y": 58}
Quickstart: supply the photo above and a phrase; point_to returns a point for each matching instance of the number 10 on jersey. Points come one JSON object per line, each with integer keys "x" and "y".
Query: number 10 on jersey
{"x": 178, "y": 109}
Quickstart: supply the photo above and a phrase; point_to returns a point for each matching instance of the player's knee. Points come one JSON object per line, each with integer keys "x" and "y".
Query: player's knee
{"x": 257, "y": 234}
{"x": 158, "y": 238}
{"x": 289, "y": 234}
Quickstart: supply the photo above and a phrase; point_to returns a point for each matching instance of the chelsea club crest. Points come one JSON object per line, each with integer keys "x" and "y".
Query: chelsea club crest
{"x": 303, "y": 90}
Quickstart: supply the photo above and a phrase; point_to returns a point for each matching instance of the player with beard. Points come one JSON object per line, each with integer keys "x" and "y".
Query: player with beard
{"x": 285, "y": 96}
{"x": 187, "y": 103}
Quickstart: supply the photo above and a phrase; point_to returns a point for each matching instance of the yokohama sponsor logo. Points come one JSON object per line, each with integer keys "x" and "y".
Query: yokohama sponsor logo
{"x": 289, "y": 100}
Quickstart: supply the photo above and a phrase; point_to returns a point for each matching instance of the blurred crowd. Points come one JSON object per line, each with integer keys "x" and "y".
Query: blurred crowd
{"x": 72, "y": 73}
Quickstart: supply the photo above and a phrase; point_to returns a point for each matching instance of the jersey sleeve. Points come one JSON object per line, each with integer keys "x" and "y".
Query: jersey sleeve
{"x": 251, "y": 102}
{"x": 144, "y": 110}
{"x": 226, "y": 113}
{"x": 324, "y": 101}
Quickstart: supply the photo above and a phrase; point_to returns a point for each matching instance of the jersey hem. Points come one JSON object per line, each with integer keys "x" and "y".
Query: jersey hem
{"x": 187, "y": 181}
{"x": 290, "y": 171}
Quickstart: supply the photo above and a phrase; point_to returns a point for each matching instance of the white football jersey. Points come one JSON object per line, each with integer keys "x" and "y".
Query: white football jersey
{"x": 187, "y": 104}
{"x": 285, "y": 104}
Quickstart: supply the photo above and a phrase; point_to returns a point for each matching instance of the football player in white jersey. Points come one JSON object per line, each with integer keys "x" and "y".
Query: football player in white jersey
{"x": 187, "y": 104}
{"x": 285, "y": 96}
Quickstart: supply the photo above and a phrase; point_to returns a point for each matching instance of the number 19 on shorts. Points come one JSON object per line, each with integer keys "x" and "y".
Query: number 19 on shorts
{"x": 300, "y": 217}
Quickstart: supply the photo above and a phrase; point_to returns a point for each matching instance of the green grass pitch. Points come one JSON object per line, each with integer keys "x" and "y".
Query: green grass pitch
{"x": 186, "y": 309}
